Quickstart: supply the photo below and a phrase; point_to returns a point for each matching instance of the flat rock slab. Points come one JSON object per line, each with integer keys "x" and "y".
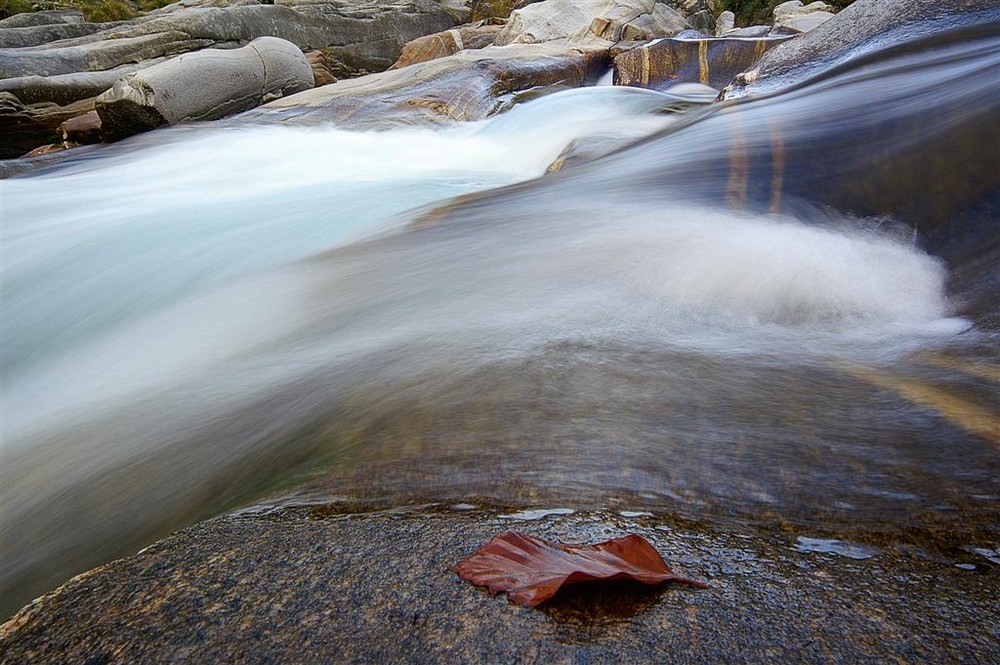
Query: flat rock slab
{"x": 305, "y": 585}
{"x": 469, "y": 85}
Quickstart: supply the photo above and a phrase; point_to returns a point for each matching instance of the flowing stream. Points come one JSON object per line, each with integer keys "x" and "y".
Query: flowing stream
{"x": 201, "y": 316}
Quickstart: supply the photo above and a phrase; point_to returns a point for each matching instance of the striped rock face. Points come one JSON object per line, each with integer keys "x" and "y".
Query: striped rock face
{"x": 710, "y": 61}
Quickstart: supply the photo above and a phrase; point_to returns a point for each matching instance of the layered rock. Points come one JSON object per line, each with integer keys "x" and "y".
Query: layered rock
{"x": 27, "y": 126}
{"x": 49, "y": 17}
{"x": 67, "y": 88}
{"x": 174, "y": 91}
{"x": 365, "y": 31}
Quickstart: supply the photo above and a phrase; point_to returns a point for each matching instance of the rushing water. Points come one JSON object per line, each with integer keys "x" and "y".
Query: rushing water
{"x": 201, "y": 315}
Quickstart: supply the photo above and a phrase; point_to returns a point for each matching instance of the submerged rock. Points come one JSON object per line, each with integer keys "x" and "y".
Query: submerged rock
{"x": 206, "y": 85}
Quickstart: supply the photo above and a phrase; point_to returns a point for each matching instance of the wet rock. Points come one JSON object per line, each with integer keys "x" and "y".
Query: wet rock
{"x": 315, "y": 585}
{"x": 47, "y": 149}
{"x": 24, "y": 127}
{"x": 471, "y": 36}
{"x": 587, "y": 149}
{"x": 591, "y": 19}
{"x": 83, "y": 129}
{"x": 858, "y": 29}
{"x": 206, "y": 85}
{"x": 706, "y": 60}
{"x": 469, "y": 85}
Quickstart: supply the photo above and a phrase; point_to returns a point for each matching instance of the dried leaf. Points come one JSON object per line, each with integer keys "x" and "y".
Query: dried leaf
{"x": 531, "y": 570}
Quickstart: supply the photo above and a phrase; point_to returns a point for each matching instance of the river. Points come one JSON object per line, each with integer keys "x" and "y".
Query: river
{"x": 202, "y": 317}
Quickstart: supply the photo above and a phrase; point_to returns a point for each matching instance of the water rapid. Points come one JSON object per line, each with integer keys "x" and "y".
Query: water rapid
{"x": 200, "y": 316}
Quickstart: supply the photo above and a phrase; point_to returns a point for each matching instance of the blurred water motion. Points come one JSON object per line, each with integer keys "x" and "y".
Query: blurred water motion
{"x": 224, "y": 312}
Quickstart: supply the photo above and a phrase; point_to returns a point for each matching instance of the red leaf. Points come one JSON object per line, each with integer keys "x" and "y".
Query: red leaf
{"x": 531, "y": 570}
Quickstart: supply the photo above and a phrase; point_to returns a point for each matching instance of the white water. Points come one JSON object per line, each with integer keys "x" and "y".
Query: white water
{"x": 153, "y": 298}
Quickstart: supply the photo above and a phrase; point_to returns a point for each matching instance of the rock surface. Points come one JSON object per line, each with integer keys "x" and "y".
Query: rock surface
{"x": 367, "y": 31}
{"x": 469, "y": 85}
{"x": 48, "y": 17}
{"x": 579, "y": 22}
{"x": 174, "y": 91}
{"x": 470, "y": 36}
{"x": 706, "y": 60}
{"x": 860, "y": 28}
{"x": 27, "y": 126}
{"x": 313, "y": 584}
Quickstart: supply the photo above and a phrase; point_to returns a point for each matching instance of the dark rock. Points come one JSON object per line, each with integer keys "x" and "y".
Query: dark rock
{"x": 82, "y": 129}
{"x": 313, "y": 585}
{"x": 469, "y": 85}
{"x": 206, "y": 85}
{"x": 24, "y": 127}
{"x": 48, "y": 149}
{"x": 711, "y": 61}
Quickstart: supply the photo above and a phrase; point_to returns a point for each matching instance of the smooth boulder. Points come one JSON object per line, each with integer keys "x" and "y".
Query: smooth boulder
{"x": 206, "y": 85}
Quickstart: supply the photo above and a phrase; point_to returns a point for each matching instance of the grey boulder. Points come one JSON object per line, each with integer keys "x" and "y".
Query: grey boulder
{"x": 206, "y": 85}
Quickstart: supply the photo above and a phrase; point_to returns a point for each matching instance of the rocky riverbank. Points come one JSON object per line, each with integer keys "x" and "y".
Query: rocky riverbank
{"x": 65, "y": 82}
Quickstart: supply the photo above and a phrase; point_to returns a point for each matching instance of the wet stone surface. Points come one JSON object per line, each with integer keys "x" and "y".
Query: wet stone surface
{"x": 309, "y": 584}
